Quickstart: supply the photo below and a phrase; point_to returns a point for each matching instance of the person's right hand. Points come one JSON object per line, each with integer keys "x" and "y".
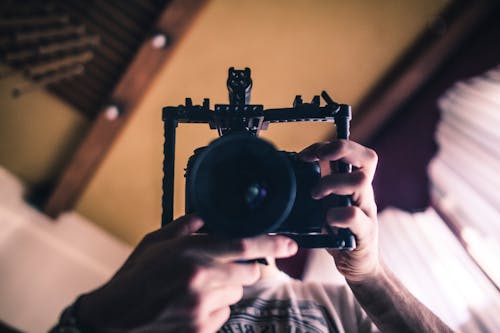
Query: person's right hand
{"x": 178, "y": 282}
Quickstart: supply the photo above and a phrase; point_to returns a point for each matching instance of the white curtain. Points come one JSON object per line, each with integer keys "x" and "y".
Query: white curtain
{"x": 425, "y": 255}
{"x": 465, "y": 174}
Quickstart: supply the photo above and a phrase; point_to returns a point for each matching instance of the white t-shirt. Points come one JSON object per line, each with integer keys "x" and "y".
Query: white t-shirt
{"x": 279, "y": 304}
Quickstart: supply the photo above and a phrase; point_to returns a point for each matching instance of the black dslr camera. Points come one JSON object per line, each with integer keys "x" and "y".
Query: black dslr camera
{"x": 240, "y": 184}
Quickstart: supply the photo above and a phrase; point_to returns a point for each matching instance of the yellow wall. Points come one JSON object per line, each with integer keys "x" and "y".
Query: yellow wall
{"x": 38, "y": 131}
{"x": 293, "y": 47}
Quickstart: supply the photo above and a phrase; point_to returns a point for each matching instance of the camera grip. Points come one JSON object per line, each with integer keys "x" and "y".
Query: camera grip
{"x": 341, "y": 238}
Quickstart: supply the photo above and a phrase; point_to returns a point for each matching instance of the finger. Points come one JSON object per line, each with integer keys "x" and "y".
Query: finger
{"x": 341, "y": 184}
{"x": 182, "y": 226}
{"x": 351, "y": 217}
{"x": 220, "y": 274}
{"x": 229, "y": 250}
{"x": 216, "y": 298}
{"x": 308, "y": 154}
{"x": 348, "y": 151}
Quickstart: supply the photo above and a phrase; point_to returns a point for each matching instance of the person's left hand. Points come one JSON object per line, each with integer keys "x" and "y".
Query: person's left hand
{"x": 361, "y": 218}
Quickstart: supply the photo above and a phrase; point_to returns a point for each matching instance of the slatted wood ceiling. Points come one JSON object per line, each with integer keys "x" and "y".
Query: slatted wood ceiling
{"x": 122, "y": 27}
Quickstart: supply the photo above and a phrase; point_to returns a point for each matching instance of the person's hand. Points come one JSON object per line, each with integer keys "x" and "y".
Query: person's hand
{"x": 178, "y": 282}
{"x": 361, "y": 217}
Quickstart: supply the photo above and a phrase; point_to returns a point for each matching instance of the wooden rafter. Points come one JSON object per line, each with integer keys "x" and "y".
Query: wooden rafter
{"x": 172, "y": 24}
{"x": 418, "y": 65}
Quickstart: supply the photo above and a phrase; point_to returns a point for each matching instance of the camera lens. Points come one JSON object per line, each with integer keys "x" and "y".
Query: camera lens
{"x": 241, "y": 186}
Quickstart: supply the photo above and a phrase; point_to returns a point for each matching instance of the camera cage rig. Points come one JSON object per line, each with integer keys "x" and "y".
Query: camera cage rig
{"x": 241, "y": 116}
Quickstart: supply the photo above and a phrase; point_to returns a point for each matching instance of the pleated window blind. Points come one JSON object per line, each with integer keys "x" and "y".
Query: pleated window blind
{"x": 465, "y": 173}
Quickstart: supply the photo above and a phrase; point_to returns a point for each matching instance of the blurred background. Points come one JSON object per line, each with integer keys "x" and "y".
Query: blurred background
{"x": 82, "y": 86}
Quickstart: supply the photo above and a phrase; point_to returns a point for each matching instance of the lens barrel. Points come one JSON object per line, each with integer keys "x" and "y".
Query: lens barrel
{"x": 241, "y": 186}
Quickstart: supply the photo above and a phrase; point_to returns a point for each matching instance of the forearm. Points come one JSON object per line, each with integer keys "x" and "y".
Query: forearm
{"x": 392, "y": 307}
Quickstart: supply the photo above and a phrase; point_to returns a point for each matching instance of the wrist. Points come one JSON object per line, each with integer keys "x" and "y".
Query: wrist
{"x": 373, "y": 275}
{"x": 89, "y": 311}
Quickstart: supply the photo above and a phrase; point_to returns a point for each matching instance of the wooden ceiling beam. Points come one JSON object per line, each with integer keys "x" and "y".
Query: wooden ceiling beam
{"x": 173, "y": 22}
{"x": 418, "y": 65}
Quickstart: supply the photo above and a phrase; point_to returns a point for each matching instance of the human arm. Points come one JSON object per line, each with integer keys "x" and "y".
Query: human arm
{"x": 392, "y": 307}
{"x": 178, "y": 282}
{"x": 386, "y": 301}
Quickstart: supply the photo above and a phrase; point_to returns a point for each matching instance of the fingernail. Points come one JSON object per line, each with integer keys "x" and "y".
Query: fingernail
{"x": 195, "y": 224}
{"x": 292, "y": 247}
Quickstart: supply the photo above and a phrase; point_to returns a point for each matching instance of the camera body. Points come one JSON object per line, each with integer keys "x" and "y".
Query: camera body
{"x": 246, "y": 192}
{"x": 240, "y": 184}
